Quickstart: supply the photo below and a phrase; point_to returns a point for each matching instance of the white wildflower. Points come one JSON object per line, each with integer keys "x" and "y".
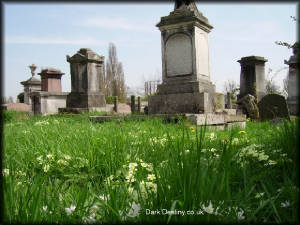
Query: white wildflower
{"x": 70, "y": 210}
{"x": 134, "y": 210}
{"x": 240, "y": 215}
{"x": 5, "y": 172}
{"x": 130, "y": 190}
{"x": 151, "y": 177}
{"x": 45, "y": 208}
{"x": 46, "y": 168}
{"x": 285, "y": 204}
{"x": 209, "y": 209}
{"x": 259, "y": 195}
{"x": 67, "y": 157}
{"x": 49, "y": 156}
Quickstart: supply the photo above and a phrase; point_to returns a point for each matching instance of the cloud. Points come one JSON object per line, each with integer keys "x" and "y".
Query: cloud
{"x": 40, "y": 40}
{"x": 118, "y": 23}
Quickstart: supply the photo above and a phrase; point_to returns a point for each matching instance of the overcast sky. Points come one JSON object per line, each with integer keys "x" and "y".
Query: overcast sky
{"x": 44, "y": 34}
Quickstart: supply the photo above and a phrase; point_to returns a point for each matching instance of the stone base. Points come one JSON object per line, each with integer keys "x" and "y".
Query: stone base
{"x": 82, "y": 100}
{"x": 176, "y": 87}
{"x": 211, "y": 120}
{"x": 180, "y": 103}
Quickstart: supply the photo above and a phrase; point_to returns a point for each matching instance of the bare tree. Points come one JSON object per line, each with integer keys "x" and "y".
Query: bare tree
{"x": 230, "y": 86}
{"x": 114, "y": 79}
{"x": 271, "y": 86}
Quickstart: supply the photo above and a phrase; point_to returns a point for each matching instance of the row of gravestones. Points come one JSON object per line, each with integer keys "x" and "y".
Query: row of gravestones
{"x": 270, "y": 107}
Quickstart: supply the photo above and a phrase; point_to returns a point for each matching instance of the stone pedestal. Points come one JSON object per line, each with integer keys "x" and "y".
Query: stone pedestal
{"x": 252, "y": 77}
{"x": 51, "y": 80}
{"x": 293, "y": 81}
{"x": 185, "y": 63}
{"x": 86, "y": 68}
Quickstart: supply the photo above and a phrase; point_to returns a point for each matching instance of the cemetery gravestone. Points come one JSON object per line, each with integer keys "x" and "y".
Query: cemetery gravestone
{"x": 86, "y": 68}
{"x": 273, "y": 106}
{"x": 186, "y": 86}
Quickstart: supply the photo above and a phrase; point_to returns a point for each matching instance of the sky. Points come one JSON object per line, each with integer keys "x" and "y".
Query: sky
{"x": 44, "y": 33}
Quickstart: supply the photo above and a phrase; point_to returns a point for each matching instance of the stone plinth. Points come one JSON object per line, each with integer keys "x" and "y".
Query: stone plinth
{"x": 86, "y": 70}
{"x": 31, "y": 85}
{"x": 293, "y": 81}
{"x": 252, "y": 77}
{"x": 185, "y": 63}
{"x": 46, "y": 103}
{"x": 51, "y": 80}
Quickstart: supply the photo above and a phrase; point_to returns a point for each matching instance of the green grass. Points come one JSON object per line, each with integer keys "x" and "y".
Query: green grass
{"x": 67, "y": 169}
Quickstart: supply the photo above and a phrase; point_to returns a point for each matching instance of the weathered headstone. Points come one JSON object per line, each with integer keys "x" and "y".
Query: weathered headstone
{"x": 249, "y": 103}
{"x": 293, "y": 81}
{"x": 252, "y": 77}
{"x": 86, "y": 69}
{"x": 186, "y": 85}
{"x": 132, "y": 103}
{"x": 273, "y": 106}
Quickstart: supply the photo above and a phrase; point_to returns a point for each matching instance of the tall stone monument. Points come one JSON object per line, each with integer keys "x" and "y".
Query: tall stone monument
{"x": 186, "y": 85}
{"x": 252, "y": 77}
{"x": 293, "y": 81}
{"x": 86, "y": 70}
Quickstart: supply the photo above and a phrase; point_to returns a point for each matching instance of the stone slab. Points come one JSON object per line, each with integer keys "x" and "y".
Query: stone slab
{"x": 17, "y": 107}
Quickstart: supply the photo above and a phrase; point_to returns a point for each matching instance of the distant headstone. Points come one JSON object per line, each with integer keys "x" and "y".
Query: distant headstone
{"x": 252, "y": 77}
{"x": 273, "y": 106}
{"x": 249, "y": 104}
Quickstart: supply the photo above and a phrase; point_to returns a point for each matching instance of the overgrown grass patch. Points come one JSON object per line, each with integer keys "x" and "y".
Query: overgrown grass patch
{"x": 68, "y": 169}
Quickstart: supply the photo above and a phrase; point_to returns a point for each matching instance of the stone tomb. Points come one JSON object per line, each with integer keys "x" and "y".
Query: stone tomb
{"x": 186, "y": 85}
{"x": 86, "y": 70}
{"x": 50, "y": 98}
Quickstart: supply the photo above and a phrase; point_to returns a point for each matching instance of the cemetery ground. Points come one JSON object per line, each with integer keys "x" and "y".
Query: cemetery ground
{"x": 68, "y": 169}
